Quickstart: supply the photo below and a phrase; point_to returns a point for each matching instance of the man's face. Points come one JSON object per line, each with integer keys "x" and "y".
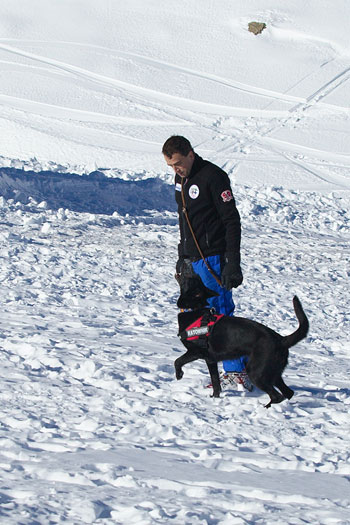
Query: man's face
{"x": 181, "y": 164}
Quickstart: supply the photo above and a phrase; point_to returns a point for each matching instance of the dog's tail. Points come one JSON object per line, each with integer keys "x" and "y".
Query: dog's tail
{"x": 301, "y": 332}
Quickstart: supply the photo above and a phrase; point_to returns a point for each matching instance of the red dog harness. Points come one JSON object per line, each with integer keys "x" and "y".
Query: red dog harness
{"x": 200, "y": 327}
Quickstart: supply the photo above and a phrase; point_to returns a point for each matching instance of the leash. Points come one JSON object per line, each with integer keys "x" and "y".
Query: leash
{"x": 184, "y": 211}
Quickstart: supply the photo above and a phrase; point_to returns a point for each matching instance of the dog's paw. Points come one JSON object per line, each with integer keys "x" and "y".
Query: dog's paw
{"x": 275, "y": 400}
{"x": 179, "y": 374}
{"x": 290, "y": 394}
{"x": 215, "y": 394}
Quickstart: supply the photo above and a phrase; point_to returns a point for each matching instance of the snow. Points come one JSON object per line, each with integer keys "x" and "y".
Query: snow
{"x": 94, "y": 428}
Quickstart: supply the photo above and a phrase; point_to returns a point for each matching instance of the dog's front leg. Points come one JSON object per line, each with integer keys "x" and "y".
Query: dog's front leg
{"x": 215, "y": 379}
{"x": 187, "y": 357}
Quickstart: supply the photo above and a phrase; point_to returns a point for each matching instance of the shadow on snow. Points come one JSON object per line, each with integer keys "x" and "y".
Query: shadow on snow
{"x": 93, "y": 193}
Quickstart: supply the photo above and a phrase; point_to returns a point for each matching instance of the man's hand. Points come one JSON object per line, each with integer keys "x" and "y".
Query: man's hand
{"x": 179, "y": 268}
{"x": 179, "y": 265}
{"x": 231, "y": 276}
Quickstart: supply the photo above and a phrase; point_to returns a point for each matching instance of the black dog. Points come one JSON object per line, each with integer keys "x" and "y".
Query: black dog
{"x": 233, "y": 337}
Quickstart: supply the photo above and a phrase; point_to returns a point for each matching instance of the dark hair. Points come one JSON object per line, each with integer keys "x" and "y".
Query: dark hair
{"x": 176, "y": 144}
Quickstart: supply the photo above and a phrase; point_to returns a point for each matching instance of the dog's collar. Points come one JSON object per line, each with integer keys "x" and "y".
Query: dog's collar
{"x": 184, "y": 310}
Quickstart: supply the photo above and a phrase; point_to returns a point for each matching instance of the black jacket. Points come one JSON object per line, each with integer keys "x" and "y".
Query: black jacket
{"x": 212, "y": 212}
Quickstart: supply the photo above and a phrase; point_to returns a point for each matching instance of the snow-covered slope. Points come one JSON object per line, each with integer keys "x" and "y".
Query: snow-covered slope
{"x": 89, "y": 86}
{"x": 94, "y": 427}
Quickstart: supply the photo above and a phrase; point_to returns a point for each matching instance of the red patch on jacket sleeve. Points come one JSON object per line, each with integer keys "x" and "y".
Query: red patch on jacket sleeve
{"x": 226, "y": 196}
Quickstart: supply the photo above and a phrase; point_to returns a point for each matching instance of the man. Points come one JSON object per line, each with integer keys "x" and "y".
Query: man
{"x": 216, "y": 225}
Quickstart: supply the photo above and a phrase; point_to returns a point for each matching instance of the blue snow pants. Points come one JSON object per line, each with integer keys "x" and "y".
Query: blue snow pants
{"x": 223, "y": 303}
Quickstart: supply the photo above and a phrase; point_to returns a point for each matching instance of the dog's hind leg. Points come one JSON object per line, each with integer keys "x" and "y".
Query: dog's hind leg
{"x": 215, "y": 379}
{"x": 275, "y": 397}
{"x": 286, "y": 391}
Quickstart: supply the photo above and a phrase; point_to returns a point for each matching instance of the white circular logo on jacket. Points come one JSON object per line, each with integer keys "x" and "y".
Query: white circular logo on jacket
{"x": 193, "y": 191}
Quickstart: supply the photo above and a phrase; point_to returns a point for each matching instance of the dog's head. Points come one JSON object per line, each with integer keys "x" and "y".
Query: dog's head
{"x": 194, "y": 294}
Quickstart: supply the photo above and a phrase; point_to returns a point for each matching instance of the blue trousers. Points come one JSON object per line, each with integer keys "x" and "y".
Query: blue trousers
{"x": 223, "y": 303}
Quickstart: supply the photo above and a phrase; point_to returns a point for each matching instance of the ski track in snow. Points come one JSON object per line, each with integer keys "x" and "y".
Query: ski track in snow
{"x": 181, "y": 111}
{"x": 259, "y": 136}
{"x": 149, "y": 94}
{"x": 170, "y": 68}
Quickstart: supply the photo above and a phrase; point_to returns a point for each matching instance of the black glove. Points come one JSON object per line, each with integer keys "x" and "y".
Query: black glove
{"x": 231, "y": 275}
